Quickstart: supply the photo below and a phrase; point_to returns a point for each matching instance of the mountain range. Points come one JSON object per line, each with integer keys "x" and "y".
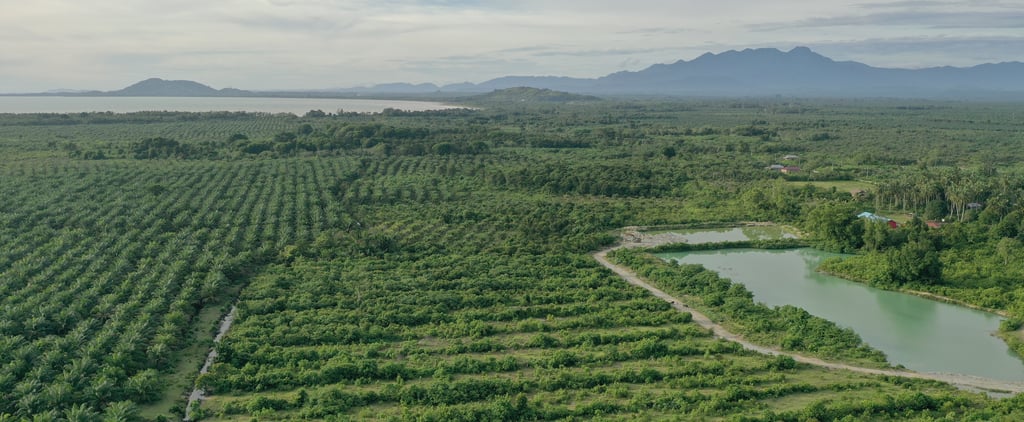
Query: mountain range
{"x": 767, "y": 72}
{"x": 799, "y": 72}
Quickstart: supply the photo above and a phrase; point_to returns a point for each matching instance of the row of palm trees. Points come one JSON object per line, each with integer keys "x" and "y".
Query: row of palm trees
{"x": 958, "y": 191}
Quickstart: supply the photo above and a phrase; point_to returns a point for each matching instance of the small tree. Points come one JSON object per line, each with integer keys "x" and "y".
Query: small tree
{"x": 836, "y": 227}
{"x": 915, "y": 261}
{"x": 1007, "y": 248}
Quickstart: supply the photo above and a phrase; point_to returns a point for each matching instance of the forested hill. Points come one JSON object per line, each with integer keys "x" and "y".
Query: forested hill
{"x": 155, "y": 87}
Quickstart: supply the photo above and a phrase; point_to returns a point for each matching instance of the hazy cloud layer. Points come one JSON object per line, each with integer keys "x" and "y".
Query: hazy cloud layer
{"x": 281, "y": 44}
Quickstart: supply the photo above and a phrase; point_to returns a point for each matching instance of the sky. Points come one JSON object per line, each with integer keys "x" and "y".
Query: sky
{"x": 313, "y": 44}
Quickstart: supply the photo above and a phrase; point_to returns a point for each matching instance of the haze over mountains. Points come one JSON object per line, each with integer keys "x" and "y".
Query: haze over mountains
{"x": 760, "y": 72}
{"x": 798, "y": 72}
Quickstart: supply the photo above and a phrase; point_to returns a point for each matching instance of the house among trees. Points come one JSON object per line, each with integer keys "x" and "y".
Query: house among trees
{"x": 858, "y": 193}
{"x": 783, "y": 169}
{"x": 974, "y": 206}
{"x": 791, "y": 157}
{"x": 934, "y": 224}
{"x": 875, "y": 217}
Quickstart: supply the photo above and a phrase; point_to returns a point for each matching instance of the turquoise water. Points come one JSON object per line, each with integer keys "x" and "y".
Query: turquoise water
{"x": 918, "y": 333}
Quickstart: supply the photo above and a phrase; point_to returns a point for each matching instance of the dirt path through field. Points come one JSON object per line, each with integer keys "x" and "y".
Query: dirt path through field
{"x": 990, "y": 386}
{"x": 196, "y": 397}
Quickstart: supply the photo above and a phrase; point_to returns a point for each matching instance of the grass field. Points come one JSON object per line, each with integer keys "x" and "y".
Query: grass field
{"x": 179, "y": 383}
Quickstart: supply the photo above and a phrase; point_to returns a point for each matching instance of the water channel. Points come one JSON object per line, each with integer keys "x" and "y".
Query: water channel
{"x": 918, "y": 333}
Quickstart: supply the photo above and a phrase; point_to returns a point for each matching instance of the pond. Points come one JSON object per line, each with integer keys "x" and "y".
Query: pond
{"x": 918, "y": 333}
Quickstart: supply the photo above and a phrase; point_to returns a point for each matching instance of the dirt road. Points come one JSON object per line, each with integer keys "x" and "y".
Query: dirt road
{"x": 197, "y": 397}
{"x": 990, "y": 386}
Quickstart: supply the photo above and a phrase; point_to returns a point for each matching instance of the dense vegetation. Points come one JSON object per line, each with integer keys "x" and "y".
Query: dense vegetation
{"x": 434, "y": 265}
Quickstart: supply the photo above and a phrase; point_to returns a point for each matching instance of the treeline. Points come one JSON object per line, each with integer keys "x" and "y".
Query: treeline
{"x": 372, "y": 138}
{"x": 623, "y": 179}
{"x": 710, "y": 246}
{"x": 111, "y": 118}
{"x": 976, "y": 255}
{"x": 978, "y": 261}
{"x": 951, "y": 193}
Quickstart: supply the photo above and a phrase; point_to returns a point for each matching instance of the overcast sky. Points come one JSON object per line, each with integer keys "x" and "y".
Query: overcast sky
{"x": 296, "y": 44}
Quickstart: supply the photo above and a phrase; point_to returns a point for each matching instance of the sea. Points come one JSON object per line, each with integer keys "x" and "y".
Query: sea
{"x": 296, "y": 106}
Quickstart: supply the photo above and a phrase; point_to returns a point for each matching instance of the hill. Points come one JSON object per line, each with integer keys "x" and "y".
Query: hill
{"x": 156, "y": 87}
{"x": 530, "y": 95}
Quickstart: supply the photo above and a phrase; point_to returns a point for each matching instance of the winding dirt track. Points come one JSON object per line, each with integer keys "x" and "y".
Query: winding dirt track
{"x": 197, "y": 396}
{"x": 962, "y": 381}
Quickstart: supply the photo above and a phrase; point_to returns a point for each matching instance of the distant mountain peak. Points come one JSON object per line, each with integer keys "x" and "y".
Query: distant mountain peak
{"x": 705, "y": 56}
{"x": 754, "y": 54}
{"x": 156, "y": 87}
{"x": 802, "y": 51}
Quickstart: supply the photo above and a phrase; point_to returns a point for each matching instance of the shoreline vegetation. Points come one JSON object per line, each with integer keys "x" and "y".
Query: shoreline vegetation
{"x": 1010, "y": 331}
{"x": 662, "y": 241}
{"x": 993, "y": 388}
{"x": 920, "y": 293}
{"x": 636, "y": 239}
{"x": 666, "y": 244}
{"x": 751, "y": 319}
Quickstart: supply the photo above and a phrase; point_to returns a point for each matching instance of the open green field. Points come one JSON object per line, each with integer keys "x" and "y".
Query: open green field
{"x": 435, "y": 265}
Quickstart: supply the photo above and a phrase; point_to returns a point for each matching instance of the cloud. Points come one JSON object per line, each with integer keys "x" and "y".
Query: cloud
{"x": 267, "y": 44}
{"x": 913, "y": 4}
{"x": 599, "y": 53}
{"x": 935, "y": 20}
{"x": 657, "y": 31}
{"x": 916, "y": 52}
{"x": 304, "y": 24}
{"x": 482, "y": 68}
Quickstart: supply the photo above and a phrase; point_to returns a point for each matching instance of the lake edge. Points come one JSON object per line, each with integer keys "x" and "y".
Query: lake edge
{"x": 895, "y": 361}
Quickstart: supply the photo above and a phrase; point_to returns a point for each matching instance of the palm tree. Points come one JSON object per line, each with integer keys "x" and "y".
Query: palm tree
{"x": 122, "y": 411}
{"x": 80, "y": 413}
